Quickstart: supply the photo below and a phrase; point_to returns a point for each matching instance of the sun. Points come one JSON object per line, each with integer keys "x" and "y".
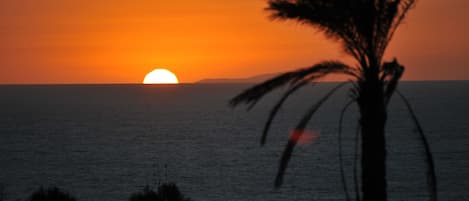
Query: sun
{"x": 160, "y": 76}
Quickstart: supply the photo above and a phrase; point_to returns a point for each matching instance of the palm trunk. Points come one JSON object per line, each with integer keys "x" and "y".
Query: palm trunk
{"x": 373, "y": 120}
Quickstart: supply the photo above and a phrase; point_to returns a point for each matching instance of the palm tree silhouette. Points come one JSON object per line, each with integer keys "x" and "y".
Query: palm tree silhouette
{"x": 364, "y": 28}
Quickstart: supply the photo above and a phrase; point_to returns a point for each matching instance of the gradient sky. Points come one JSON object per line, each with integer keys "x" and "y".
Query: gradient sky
{"x": 119, "y": 41}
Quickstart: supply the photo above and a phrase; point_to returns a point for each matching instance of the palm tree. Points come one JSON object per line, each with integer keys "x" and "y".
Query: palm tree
{"x": 364, "y": 28}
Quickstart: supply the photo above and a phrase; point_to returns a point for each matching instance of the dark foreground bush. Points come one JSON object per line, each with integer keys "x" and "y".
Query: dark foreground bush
{"x": 51, "y": 194}
{"x": 166, "y": 192}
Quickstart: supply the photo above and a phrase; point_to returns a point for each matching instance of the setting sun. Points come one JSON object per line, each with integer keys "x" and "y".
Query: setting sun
{"x": 160, "y": 76}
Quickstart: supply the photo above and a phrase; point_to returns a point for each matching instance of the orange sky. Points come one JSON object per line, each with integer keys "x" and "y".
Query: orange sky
{"x": 119, "y": 41}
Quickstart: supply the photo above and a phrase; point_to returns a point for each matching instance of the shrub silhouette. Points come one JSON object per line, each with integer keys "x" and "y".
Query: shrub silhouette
{"x": 166, "y": 192}
{"x": 147, "y": 194}
{"x": 51, "y": 194}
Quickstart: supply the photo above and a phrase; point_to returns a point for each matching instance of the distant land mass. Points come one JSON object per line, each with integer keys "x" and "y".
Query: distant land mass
{"x": 261, "y": 78}
{"x": 253, "y": 79}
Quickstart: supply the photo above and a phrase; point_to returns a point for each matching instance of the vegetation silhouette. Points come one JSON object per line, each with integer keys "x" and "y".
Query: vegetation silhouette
{"x": 166, "y": 192}
{"x": 51, "y": 194}
{"x": 364, "y": 28}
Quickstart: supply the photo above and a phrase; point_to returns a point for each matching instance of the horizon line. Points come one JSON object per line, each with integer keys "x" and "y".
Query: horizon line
{"x": 202, "y": 83}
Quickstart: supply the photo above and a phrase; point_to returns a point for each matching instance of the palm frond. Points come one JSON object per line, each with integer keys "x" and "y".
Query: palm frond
{"x": 334, "y": 17}
{"x": 255, "y": 93}
{"x": 277, "y": 106}
{"x": 365, "y": 28}
{"x": 402, "y": 8}
{"x": 355, "y": 163}
{"x": 431, "y": 176}
{"x": 392, "y": 72}
{"x": 328, "y": 17}
{"x": 341, "y": 160}
{"x": 298, "y": 131}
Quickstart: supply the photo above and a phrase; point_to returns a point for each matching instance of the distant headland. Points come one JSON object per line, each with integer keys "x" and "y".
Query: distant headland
{"x": 253, "y": 79}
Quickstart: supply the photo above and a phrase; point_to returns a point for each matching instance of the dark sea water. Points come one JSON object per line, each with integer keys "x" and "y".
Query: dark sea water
{"x": 103, "y": 142}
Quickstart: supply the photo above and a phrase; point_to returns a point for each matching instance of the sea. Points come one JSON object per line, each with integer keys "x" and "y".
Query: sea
{"x": 105, "y": 142}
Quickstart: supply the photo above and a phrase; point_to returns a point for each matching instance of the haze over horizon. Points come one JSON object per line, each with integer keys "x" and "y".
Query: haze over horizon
{"x": 105, "y": 41}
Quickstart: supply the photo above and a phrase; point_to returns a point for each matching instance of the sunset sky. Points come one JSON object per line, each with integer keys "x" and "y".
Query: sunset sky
{"x": 119, "y": 41}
